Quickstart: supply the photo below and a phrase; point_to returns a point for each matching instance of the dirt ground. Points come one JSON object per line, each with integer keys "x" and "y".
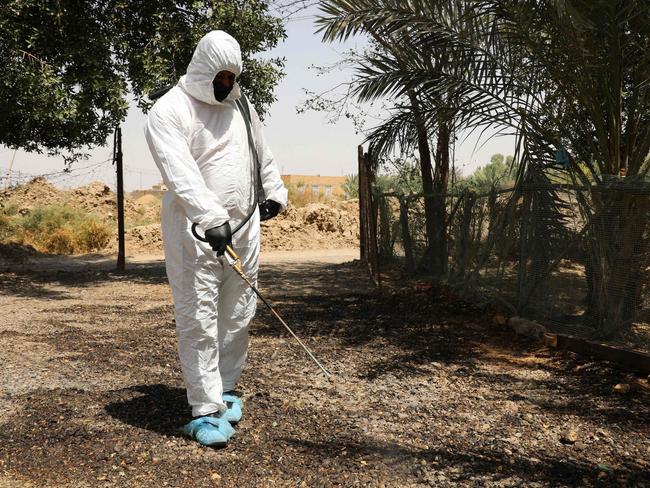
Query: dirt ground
{"x": 428, "y": 391}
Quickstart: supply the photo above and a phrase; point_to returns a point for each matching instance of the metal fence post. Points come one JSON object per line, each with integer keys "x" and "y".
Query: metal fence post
{"x": 406, "y": 236}
{"x": 362, "y": 213}
{"x": 121, "y": 259}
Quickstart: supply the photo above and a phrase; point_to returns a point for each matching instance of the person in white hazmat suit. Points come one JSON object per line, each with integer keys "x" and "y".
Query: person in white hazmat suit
{"x": 199, "y": 141}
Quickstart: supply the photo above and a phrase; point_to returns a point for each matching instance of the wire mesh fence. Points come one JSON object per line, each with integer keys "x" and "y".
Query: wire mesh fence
{"x": 575, "y": 258}
{"x": 77, "y": 175}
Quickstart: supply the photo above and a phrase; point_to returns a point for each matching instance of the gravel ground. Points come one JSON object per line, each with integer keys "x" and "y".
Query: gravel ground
{"x": 427, "y": 391}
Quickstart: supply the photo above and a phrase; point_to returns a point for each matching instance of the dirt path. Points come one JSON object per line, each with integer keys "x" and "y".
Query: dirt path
{"x": 428, "y": 393}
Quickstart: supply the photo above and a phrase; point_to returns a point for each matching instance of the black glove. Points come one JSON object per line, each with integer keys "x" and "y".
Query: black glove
{"x": 269, "y": 209}
{"x": 219, "y": 237}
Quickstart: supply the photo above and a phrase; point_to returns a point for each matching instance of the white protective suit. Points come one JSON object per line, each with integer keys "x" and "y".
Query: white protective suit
{"x": 201, "y": 147}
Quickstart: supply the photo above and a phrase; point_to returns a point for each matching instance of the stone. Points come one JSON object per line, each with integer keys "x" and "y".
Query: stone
{"x": 526, "y": 327}
{"x": 499, "y": 319}
{"x": 569, "y": 436}
{"x": 621, "y": 388}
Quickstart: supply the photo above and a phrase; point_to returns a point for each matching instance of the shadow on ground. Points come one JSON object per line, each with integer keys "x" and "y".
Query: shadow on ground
{"x": 50, "y": 282}
{"x": 469, "y": 466}
{"x": 158, "y": 408}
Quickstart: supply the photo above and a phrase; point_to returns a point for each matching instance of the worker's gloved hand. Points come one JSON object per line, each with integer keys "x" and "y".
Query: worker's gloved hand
{"x": 219, "y": 237}
{"x": 269, "y": 209}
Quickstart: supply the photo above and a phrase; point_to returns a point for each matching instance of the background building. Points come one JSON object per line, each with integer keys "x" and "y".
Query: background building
{"x": 329, "y": 186}
{"x": 312, "y": 186}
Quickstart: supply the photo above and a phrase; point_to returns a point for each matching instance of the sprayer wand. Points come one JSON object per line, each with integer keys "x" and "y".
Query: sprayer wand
{"x": 237, "y": 266}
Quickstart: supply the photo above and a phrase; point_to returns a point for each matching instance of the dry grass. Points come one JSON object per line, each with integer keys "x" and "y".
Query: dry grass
{"x": 61, "y": 241}
{"x": 93, "y": 235}
{"x": 56, "y": 229}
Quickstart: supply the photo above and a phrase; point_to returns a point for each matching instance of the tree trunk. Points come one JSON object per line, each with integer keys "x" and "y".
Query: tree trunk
{"x": 439, "y": 251}
{"x": 464, "y": 239}
{"x": 367, "y": 217}
{"x": 427, "y": 182}
{"x": 617, "y": 254}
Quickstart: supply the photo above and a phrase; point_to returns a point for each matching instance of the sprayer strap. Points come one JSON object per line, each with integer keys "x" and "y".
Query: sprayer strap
{"x": 242, "y": 103}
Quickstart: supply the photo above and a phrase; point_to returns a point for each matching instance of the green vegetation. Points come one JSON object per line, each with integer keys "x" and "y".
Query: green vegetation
{"x": 67, "y": 65}
{"x": 351, "y": 186}
{"x": 568, "y": 77}
{"x": 399, "y": 176}
{"x": 403, "y": 176}
{"x": 57, "y": 229}
{"x": 498, "y": 173}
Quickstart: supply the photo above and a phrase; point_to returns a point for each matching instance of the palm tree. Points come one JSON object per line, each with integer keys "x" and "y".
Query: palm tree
{"x": 568, "y": 75}
{"x": 384, "y": 72}
{"x": 408, "y": 128}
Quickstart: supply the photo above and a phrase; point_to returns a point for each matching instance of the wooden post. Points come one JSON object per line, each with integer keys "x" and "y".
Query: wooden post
{"x": 121, "y": 260}
{"x": 368, "y": 218}
{"x": 385, "y": 238}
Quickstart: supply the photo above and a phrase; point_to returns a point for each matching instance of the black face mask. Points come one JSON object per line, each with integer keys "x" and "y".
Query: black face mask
{"x": 220, "y": 91}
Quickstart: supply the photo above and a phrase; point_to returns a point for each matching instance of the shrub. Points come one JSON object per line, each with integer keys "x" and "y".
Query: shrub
{"x": 47, "y": 219}
{"x": 9, "y": 209}
{"x": 93, "y": 235}
{"x": 60, "y": 241}
{"x": 351, "y": 186}
{"x": 10, "y": 230}
{"x": 5, "y": 227}
{"x": 57, "y": 229}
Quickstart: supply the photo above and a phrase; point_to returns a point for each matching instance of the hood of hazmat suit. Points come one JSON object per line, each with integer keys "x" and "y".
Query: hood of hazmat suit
{"x": 202, "y": 150}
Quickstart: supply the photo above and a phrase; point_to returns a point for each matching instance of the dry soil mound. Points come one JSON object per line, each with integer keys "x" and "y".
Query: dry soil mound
{"x": 23, "y": 198}
{"x": 98, "y": 198}
{"x": 316, "y": 226}
{"x": 144, "y": 239}
{"x": 147, "y": 200}
{"x": 95, "y": 197}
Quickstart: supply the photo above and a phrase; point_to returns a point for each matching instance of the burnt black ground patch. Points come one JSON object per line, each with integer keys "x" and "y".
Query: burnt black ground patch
{"x": 427, "y": 392}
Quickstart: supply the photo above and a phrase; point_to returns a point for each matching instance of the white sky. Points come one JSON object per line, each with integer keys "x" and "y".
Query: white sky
{"x": 302, "y": 143}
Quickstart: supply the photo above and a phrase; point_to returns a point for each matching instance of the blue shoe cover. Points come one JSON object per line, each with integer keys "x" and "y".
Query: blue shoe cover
{"x": 209, "y": 431}
{"x": 234, "y": 412}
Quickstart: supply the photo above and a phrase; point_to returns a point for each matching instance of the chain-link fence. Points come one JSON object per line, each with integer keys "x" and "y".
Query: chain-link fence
{"x": 575, "y": 258}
